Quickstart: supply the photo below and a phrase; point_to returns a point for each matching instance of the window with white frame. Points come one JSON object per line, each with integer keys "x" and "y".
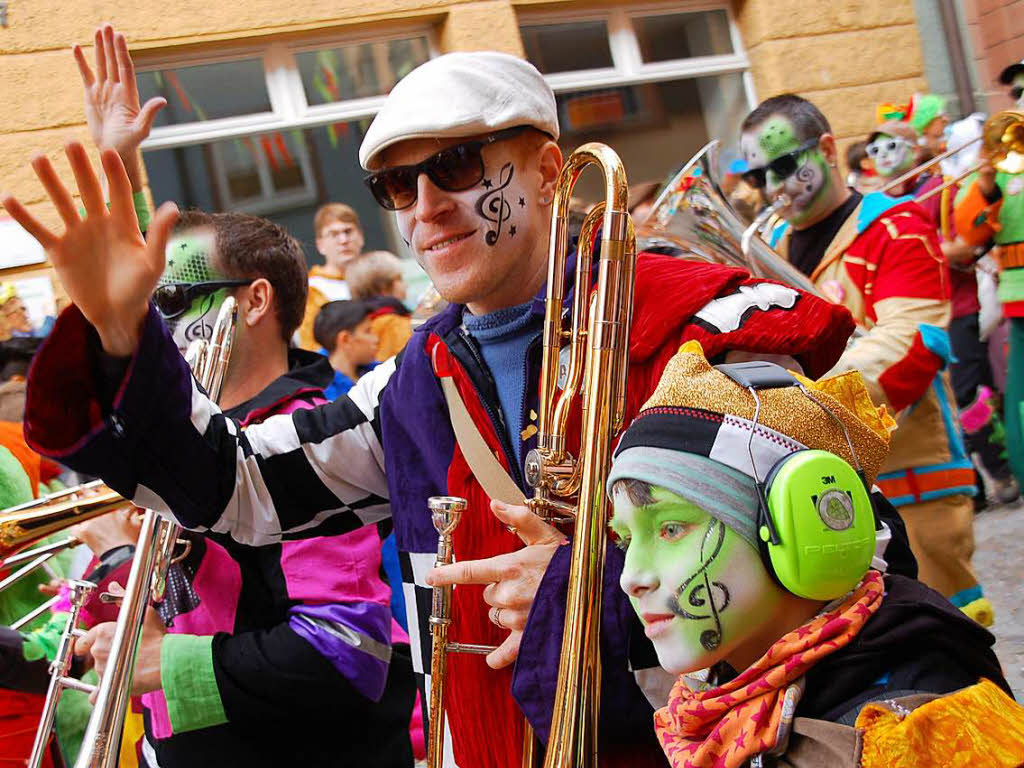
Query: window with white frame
{"x": 655, "y": 82}
{"x": 274, "y": 129}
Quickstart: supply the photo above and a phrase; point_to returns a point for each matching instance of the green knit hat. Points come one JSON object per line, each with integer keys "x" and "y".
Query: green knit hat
{"x": 924, "y": 108}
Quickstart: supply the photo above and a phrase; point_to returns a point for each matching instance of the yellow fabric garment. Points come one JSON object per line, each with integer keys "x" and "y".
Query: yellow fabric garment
{"x": 977, "y": 727}
{"x": 393, "y": 332}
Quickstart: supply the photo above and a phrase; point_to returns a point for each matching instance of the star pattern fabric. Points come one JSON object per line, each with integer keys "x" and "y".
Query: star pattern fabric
{"x": 179, "y": 595}
{"x": 725, "y": 726}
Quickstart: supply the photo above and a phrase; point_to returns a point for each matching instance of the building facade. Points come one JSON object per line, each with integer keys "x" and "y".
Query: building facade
{"x": 268, "y": 101}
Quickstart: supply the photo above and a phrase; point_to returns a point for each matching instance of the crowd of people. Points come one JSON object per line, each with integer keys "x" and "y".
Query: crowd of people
{"x": 788, "y": 561}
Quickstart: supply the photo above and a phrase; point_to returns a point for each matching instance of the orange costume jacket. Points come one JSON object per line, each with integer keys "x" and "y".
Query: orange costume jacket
{"x": 886, "y": 267}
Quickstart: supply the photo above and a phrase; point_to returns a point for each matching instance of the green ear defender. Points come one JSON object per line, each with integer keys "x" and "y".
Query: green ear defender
{"x": 817, "y": 527}
{"x": 816, "y": 523}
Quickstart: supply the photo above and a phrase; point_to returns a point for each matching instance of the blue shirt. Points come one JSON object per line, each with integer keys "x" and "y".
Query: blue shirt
{"x": 504, "y": 338}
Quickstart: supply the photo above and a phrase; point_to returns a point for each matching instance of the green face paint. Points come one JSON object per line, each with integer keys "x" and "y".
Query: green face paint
{"x": 190, "y": 259}
{"x": 699, "y": 588}
{"x": 806, "y": 187}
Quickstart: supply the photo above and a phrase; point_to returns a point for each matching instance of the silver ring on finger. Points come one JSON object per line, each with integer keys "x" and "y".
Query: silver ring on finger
{"x": 496, "y": 617}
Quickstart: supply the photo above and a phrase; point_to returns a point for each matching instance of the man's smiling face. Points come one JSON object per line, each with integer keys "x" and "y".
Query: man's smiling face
{"x": 473, "y": 242}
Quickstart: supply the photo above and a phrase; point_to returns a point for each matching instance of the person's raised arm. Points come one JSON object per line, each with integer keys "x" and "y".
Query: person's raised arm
{"x": 111, "y": 94}
{"x": 108, "y": 270}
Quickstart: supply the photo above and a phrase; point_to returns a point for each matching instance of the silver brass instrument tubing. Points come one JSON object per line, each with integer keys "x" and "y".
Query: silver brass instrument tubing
{"x": 754, "y": 230}
{"x": 153, "y": 555}
{"x": 59, "y": 668}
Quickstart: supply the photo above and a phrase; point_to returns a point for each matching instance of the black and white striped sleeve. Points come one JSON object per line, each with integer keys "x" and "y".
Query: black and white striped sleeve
{"x": 163, "y": 444}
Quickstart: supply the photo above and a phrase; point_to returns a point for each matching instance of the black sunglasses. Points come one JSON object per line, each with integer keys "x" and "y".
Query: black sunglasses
{"x": 782, "y": 166}
{"x": 453, "y": 169}
{"x": 173, "y": 299}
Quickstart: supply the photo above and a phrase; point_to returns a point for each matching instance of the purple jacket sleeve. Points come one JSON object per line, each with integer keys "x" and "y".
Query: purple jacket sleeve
{"x": 626, "y": 715}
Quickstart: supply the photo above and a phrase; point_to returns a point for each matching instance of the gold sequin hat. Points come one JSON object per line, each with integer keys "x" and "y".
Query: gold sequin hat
{"x": 698, "y": 409}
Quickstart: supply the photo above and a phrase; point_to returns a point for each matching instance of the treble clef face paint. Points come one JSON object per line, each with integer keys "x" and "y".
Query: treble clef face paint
{"x": 698, "y": 587}
{"x": 190, "y": 259}
{"x": 473, "y": 241}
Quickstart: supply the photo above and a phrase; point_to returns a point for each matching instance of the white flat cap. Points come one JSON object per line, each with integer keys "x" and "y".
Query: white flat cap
{"x": 461, "y": 94}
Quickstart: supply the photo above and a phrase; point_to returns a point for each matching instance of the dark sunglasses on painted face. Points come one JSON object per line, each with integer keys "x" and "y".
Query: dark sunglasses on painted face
{"x": 453, "y": 169}
{"x": 174, "y": 299}
{"x": 782, "y": 166}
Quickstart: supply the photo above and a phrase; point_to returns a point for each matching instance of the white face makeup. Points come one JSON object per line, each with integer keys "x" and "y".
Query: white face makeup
{"x": 698, "y": 587}
{"x": 892, "y": 155}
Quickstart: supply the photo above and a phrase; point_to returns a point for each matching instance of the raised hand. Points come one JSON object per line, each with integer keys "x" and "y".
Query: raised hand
{"x": 112, "y": 101}
{"x": 106, "y": 267}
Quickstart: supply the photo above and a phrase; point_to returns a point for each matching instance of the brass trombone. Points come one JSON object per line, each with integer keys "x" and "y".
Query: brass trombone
{"x": 1002, "y": 141}
{"x": 565, "y": 485}
{"x": 154, "y": 554}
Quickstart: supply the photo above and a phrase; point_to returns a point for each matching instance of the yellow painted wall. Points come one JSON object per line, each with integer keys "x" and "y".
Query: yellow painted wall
{"x": 846, "y": 55}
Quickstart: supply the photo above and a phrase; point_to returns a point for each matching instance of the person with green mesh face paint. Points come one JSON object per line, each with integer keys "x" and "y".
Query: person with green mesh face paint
{"x": 785, "y": 160}
{"x": 758, "y": 660}
{"x": 880, "y": 257}
{"x": 192, "y": 289}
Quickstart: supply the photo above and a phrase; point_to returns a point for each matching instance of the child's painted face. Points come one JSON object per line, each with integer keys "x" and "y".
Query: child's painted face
{"x": 190, "y": 259}
{"x": 806, "y": 187}
{"x": 892, "y": 155}
{"x": 698, "y": 587}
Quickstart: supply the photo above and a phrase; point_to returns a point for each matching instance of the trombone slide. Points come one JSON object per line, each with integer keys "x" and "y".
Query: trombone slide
{"x": 59, "y": 669}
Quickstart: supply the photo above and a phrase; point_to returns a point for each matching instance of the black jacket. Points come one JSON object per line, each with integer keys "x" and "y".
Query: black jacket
{"x": 917, "y": 642}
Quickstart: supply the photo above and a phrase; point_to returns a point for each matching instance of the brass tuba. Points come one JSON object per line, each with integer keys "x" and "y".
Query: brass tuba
{"x": 693, "y": 215}
{"x": 154, "y": 554}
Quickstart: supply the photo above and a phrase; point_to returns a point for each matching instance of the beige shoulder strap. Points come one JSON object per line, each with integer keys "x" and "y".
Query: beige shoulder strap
{"x": 486, "y": 468}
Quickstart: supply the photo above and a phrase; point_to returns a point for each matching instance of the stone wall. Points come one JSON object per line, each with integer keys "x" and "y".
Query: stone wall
{"x": 846, "y": 56}
{"x": 996, "y": 33}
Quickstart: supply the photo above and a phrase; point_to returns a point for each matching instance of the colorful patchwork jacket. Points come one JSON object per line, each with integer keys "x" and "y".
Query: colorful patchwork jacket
{"x": 886, "y": 267}
{"x": 386, "y": 447}
{"x": 296, "y": 634}
{"x": 1000, "y": 218}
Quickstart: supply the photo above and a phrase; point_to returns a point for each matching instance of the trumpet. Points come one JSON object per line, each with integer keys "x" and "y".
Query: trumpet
{"x": 154, "y": 554}
{"x": 1002, "y": 140}
{"x": 29, "y": 523}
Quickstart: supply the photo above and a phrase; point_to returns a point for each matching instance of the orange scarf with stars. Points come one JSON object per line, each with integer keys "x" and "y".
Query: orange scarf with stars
{"x": 725, "y": 726}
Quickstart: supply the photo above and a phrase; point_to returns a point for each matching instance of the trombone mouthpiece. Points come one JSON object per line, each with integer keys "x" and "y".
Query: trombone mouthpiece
{"x": 446, "y": 512}
{"x": 780, "y": 202}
